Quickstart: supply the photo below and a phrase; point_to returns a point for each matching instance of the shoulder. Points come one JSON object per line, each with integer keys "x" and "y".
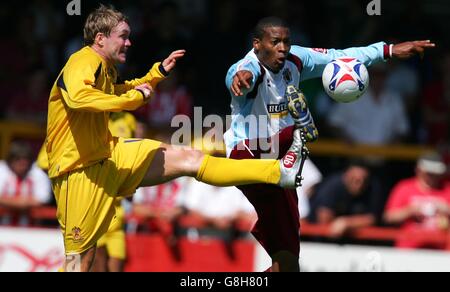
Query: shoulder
{"x": 404, "y": 185}
{"x": 84, "y": 58}
{"x": 307, "y": 54}
{"x": 336, "y": 179}
{"x": 4, "y": 169}
{"x": 333, "y": 182}
{"x": 302, "y": 51}
{"x": 5, "y": 173}
{"x": 250, "y": 59}
{"x": 36, "y": 172}
{"x": 447, "y": 187}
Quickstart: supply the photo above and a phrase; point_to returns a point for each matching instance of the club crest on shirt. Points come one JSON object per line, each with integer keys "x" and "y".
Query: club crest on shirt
{"x": 76, "y": 234}
{"x": 287, "y": 75}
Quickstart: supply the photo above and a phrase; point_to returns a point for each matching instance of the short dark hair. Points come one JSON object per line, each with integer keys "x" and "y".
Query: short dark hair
{"x": 271, "y": 21}
{"x": 358, "y": 162}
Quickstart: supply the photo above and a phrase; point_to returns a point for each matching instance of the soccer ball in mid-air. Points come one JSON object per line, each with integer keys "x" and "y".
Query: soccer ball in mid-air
{"x": 345, "y": 79}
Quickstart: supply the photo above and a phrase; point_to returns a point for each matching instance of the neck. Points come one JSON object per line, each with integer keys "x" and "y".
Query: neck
{"x": 100, "y": 52}
{"x": 270, "y": 69}
{"x": 260, "y": 60}
{"x": 425, "y": 186}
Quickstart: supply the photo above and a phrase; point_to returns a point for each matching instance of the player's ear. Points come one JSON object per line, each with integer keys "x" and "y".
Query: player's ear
{"x": 99, "y": 39}
{"x": 256, "y": 44}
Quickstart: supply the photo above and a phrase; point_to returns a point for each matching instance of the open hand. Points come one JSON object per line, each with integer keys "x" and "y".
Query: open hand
{"x": 170, "y": 62}
{"x": 408, "y": 49}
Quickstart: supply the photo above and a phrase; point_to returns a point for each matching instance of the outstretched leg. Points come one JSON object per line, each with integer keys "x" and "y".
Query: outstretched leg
{"x": 171, "y": 162}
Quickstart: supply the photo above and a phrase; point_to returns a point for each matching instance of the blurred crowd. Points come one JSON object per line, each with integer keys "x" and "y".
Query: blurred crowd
{"x": 346, "y": 201}
{"x": 407, "y": 102}
{"x": 38, "y": 37}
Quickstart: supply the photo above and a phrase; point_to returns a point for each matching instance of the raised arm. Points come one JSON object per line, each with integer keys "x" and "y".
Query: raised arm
{"x": 242, "y": 76}
{"x": 157, "y": 73}
{"x": 315, "y": 60}
{"x": 77, "y": 82}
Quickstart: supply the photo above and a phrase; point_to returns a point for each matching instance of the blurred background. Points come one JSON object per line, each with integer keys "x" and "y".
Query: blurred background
{"x": 375, "y": 151}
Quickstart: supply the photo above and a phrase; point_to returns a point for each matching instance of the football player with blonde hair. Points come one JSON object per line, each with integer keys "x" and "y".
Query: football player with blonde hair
{"x": 89, "y": 167}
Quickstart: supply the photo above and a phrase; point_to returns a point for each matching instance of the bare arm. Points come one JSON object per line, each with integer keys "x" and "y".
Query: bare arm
{"x": 325, "y": 215}
{"x": 345, "y": 224}
{"x": 399, "y": 216}
{"x": 18, "y": 203}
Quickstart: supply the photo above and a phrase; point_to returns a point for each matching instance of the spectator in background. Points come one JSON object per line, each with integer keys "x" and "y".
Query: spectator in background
{"x": 348, "y": 200}
{"x": 170, "y": 99}
{"x": 421, "y": 202}
{"x": 403, "y": 78}
{"x": 378, "y": 117}
{"x": 22, "y": 185}
{"x": 436, "y": 104}
{"x": 161, "y": 202}
{"x": 445, "y": 151}
{"x": 221, "y": 208}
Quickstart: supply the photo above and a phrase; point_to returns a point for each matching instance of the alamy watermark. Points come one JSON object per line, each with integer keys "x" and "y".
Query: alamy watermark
{"x": 259, "y": 129}
{"x": 374, "y": 8}
{"x": 74, "y": 8}
{"x": 73, "y": 263}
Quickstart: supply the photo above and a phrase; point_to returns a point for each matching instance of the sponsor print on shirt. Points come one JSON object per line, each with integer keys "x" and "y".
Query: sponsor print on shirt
{"x": 277, "y": 110}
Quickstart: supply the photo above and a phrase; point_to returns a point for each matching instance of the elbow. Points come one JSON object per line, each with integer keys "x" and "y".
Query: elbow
{"x": 73, "y": 105}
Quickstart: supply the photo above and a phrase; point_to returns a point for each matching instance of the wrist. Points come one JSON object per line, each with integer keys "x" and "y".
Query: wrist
{"x": 162, "y": 70}
{"x": 388, "y": 51}
{"x": 145, "y": 93}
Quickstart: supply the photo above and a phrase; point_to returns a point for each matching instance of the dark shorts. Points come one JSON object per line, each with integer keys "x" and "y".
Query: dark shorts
{"x": 278, "y": 223}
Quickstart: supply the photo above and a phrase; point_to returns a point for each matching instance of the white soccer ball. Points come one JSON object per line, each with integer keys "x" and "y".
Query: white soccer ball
{"x": 345, "y": 79}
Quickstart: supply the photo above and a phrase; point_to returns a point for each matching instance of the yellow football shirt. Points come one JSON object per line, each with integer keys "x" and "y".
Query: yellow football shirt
{"x": 122, "y": 124}
{"x": 84, "y": 94}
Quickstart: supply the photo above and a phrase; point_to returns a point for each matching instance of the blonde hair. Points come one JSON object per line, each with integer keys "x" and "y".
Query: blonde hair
{"x": 102, "y": 20}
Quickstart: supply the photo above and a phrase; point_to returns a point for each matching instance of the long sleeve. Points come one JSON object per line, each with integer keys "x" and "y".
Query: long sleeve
{"x": 80, "y": 93}
{"x": 153, "y": 77}
{"x": 246, "y": 64}
{"x": 314, "y": 61}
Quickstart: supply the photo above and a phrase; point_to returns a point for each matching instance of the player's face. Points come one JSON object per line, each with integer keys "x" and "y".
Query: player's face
{"x": 273, "y": 48}
{"x": 116, "y": 45}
